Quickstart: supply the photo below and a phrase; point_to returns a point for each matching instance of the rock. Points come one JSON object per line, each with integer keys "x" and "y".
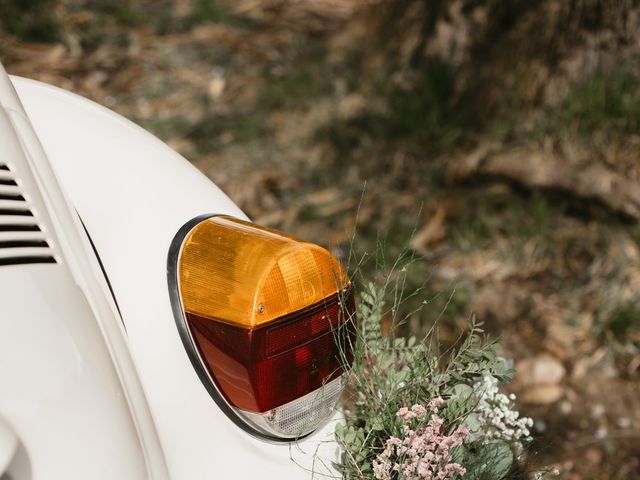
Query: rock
{"x": 566, "y": 336}
{"x": 541, "y": 370}
{"x": 600, "y": 363}
{"x": 351, "y": 106}
{"x": 217, "y": 84}
{"x": 499, "y": 300}
{"x": 534, "y": 169}
{"x": 566, "y": 407}
{"x": 624, "y": 422}
{"x": 542, "y": 394}
{"x": 593, "y": 455}
{"x": 597, "y": 411}
{"x": 540, "y": 426}
{"x": 541, "y": 376}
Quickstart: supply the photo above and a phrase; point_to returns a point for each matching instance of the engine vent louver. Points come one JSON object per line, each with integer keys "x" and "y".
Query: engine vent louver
{"x": 22, "y": 241}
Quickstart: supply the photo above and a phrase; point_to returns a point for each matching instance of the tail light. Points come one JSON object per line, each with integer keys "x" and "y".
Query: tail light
{"x": 267, "y": 321}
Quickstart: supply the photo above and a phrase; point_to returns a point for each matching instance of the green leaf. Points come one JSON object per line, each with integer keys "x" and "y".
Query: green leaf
{"x": 503, "y": 369}
{"x": 461, "y": 391}
{"x": 350, "y": 436}
{"x": 499, "y": 459}
{"x": 474, "y": 425}
{"x": 377, "y": 424}
{"x": 457, "y": 454}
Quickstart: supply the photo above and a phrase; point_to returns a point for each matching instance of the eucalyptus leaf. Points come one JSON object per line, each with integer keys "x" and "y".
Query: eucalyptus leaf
{"x": 377, "y": 424}
{"x": 461, "y": 391}
{"x": 503, "y": 369}
{"x": 496, "y": 458}
{"x": 474, "y": 425}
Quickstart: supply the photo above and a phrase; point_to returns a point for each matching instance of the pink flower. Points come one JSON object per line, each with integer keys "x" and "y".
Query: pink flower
{"x": 381, "y": 470}
{"x": 435, "y": 403}
{"x": 405, "y": 414}
{"x": 419, "y": 411}
{"x": 424, "y": 453}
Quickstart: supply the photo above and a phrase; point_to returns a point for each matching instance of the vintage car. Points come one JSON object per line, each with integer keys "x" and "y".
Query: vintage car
{"x": 147, "y": 329}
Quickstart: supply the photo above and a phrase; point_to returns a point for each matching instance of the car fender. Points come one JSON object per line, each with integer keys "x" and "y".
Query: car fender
{"x": 133, "y": 194}
{"x": 64, "y": 412}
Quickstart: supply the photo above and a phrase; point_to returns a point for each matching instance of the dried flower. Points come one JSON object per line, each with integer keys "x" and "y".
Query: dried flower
{"x": 497, "y": 414}
{"x": 424, "y": 452}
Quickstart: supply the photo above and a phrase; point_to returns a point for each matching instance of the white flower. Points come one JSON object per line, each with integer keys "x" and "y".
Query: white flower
{"x": 498, "y": 414}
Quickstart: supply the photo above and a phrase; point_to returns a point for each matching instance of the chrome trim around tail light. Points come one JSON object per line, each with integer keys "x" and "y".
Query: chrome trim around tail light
{"x": 187, "y": 339}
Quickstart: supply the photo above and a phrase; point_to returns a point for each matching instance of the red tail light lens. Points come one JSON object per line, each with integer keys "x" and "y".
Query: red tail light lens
{"x": 261, "y": 369}
{"x": 280, "y": 373}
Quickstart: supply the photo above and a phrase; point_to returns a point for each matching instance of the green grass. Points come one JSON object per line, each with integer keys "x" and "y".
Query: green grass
{"x": 606, "y": 100}
{"x": 33, "y": 21}
{"x": 416, "y": 117}
{"x": 201, "y": 12}
{"x": 417, "y": 114}
{"x": 121, "y": 11}
{"x": 389, "y": 252}
{"x": 422, "y": 112}
{"x": 109, "y": 23}
{"x": 520, "y": 218}
{"x": 208, "y": 11}
{"x": 604, "y": 103}
{"x": 294, "y": 89}
{"x": 304, "y": 79}
{"x": 308, "y": 213}
{"x": 241, "y": 128}
{"x": 623, "y": 320}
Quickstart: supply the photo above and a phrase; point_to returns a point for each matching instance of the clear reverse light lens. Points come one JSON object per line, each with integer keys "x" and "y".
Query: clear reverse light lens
{"x": 303, "y": 415}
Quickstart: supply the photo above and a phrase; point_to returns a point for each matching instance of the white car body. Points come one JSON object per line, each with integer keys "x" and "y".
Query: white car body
{"x": 91, "y": 388}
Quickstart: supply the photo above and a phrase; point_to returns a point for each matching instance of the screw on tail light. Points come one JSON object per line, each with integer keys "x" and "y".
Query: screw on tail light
{"x": 267, "y": 321}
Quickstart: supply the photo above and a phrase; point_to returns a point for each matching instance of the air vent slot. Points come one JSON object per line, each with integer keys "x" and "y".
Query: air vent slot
{"x": 23, "y": 243}
{"x": 19, "y": 228}
{"x": 22, "y": 240}
{"x": 25, "y": 260}
{"x": 13, "y": 197}
{"x": 17, "y": 213}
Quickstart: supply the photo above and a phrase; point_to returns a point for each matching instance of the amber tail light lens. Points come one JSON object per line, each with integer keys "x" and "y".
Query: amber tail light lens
{"x": 268, "y": 322}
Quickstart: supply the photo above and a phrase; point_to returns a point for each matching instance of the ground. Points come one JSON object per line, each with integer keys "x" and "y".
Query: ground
{"x": 516, "y": 223}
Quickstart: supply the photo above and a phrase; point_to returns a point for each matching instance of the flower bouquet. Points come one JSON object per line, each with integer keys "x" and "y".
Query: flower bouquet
{"x": 416, "y": 412}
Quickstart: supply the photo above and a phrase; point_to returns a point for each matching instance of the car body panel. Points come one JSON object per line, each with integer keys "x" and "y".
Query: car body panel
{"x": 63, "y": 408}
{"x": 133, "y": 194}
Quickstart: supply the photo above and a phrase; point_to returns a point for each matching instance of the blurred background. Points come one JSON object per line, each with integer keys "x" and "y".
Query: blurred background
{"x": 499, "y": 142}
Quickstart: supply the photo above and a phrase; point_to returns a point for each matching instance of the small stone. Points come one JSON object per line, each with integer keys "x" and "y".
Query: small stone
{"x": 564, "y": 335}
{"x": 543, "y": 369}
{"x": 217, "y": 84}
{"x": 624, "y": 422}
{"x": 597, "y": 410}
{"x": 542, "y": 394}
{"x": 593, "y": 455}
{"x": 565, "y": 407}
{"x": 351, "y": 106}
{"x": 540, "y": 426}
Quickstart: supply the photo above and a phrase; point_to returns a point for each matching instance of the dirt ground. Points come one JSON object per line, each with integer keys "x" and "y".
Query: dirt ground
{"x": 273, "y": 102}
